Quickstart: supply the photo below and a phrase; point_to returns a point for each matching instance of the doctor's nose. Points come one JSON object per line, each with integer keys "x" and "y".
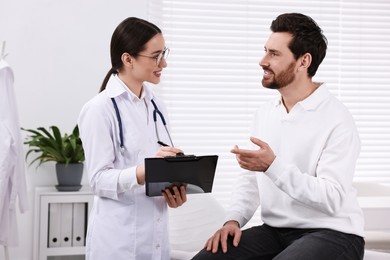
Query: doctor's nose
{"x": 163, "y": 63}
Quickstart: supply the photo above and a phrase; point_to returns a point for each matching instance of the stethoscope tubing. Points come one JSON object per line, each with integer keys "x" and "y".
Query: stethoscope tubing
{"x": 155, "y": 112}
{"x": 118, "y": 117}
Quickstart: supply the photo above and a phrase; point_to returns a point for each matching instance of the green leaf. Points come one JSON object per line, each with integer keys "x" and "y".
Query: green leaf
{"x": 47, "y": 133}
{"x": 53, "y": 146}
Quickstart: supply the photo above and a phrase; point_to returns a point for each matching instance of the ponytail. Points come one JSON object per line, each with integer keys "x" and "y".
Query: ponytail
{"x": 104, "y": 84}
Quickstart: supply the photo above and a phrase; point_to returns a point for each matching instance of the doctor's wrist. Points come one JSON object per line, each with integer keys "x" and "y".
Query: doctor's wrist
{"x": 140, "y": 173}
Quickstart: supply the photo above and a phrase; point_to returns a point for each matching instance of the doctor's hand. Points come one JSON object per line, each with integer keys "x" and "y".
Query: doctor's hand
{"x": 167, "y": 151}
{"x": 255, "y": 160}
{"x": 175, "y": 196}
{"x": 231, "y": 228}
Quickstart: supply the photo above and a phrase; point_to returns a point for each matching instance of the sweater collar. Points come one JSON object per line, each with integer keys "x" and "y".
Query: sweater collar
{"x": 312, "y": 101}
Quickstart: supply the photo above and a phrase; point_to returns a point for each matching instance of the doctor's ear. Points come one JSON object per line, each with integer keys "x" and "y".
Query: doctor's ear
{"x": 127, "y": 59}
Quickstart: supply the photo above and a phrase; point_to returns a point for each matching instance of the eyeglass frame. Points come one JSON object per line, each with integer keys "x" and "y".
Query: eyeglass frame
{"x": 164, "y": 54}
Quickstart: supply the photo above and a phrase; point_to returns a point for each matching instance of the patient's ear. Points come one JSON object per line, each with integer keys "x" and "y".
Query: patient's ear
{"x": 304, "y": 61}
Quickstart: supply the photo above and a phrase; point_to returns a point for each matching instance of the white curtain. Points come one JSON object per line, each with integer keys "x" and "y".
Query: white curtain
{"x": 212, "y": 84}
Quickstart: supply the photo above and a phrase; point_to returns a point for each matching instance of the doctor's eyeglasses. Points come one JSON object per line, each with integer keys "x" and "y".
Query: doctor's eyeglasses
{"x": 164, "y": 54}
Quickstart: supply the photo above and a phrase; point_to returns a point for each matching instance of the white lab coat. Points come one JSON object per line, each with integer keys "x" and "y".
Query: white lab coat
{"x": 12, "y": 166}
{"x": 124, "y": 222}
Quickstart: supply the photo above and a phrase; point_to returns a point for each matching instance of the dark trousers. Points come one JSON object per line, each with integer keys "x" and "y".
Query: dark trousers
{"x": 265, "y": 242}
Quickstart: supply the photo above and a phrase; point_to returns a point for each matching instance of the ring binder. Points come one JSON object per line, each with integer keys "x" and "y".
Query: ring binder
{"x": 54, "y": 229}
{"x": 66, "y": 224}
{"x": 79, "y": 217}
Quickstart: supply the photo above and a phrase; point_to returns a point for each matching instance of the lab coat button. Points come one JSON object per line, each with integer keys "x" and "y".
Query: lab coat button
{"x": 157, "y": 246}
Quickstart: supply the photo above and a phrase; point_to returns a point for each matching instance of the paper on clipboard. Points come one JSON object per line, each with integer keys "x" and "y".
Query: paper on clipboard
{"x": 195, "y": 172}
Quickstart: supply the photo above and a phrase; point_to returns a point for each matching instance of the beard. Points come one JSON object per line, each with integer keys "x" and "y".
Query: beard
{"x": 281, "y": 80}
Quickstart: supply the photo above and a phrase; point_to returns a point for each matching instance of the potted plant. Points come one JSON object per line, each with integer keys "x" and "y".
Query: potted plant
{"x": 66, "y": 150}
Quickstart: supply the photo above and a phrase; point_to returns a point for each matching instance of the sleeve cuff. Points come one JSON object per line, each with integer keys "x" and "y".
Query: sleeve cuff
{"x": 235, "y": 216}
{"x": 275, "y": 170}
{"x": 128, "y": 179}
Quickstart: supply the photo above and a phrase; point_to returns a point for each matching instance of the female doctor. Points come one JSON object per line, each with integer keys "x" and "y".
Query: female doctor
{"x": 119, "y": 128}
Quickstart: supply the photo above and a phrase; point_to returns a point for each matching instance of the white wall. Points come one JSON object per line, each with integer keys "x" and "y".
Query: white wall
{"x": 59, "y": 51}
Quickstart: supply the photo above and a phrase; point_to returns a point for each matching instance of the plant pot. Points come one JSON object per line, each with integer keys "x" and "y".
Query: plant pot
{"x": 69, "y": 176}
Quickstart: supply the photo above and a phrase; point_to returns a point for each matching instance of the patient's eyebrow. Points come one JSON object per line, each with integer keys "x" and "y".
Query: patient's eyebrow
{"x": 272, "y": 51}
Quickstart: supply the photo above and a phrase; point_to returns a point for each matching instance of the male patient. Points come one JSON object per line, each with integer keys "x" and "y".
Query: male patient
{"x": 302, "y": 162}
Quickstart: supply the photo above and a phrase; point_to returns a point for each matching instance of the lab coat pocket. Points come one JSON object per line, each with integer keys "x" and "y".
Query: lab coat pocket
{"x": 107, "y": 206}
{"x": 115, "y": 218}
{"x": 113, "y": 228}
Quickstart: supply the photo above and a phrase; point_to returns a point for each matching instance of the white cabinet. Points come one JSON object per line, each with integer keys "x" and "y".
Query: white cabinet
{"x": 47, "y": 202}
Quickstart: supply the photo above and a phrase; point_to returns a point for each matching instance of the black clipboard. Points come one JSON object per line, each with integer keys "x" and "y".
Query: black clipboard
{"x": 195, "y": 172}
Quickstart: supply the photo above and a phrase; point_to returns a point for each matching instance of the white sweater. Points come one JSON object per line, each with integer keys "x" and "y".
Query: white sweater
{"x": 309, "y": 184}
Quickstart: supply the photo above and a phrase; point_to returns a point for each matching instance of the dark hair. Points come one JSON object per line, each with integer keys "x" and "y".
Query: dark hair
{"x": 307, "y": 37}
{"x": 130, "y": 36}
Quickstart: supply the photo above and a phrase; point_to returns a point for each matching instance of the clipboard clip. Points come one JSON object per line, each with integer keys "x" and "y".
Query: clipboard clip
{"x": 181, "y": 158}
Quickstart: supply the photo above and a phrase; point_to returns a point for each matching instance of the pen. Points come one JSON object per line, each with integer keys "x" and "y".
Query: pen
{"x": 162, "y": 143}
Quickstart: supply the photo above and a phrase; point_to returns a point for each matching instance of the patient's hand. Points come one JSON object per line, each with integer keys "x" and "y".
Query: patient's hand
{"x": 231, "y": 228}
{"x": 174, "y": 196}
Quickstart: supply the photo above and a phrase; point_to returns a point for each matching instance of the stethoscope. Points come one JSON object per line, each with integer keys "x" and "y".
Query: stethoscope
{"x": 155, "y": 112}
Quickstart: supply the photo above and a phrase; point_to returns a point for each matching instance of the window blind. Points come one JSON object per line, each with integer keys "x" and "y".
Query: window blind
{"x": 212, "y": 84}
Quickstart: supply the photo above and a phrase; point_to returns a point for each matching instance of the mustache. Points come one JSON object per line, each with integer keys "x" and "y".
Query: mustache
{"x": 266, "y": 68}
